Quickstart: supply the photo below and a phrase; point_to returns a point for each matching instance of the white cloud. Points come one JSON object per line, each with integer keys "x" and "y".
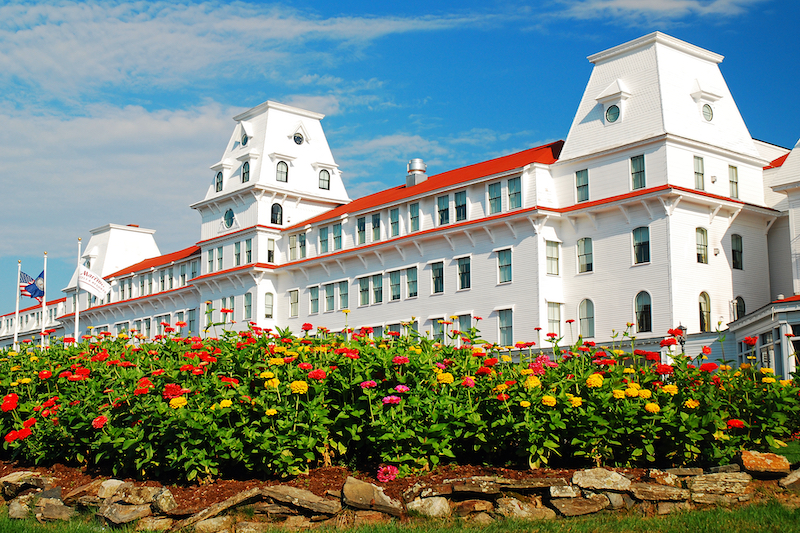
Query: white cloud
{"x": 653, "y": 11}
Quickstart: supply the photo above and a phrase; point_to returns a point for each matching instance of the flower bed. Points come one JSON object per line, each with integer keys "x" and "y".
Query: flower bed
{"x": 274, "y": 404}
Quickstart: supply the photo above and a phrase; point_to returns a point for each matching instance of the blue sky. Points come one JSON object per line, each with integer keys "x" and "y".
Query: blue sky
{"x": 113, "y": 112}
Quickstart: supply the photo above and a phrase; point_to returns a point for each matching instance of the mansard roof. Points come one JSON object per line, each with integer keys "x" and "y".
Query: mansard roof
{"x": 154, "y": 262}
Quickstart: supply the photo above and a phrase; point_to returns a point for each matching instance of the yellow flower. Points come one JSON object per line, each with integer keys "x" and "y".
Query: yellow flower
{"x": 122, "y": 336}
{"x": 691, "y": 403}
{"x": 28, "y": 380}
{"x": 444, "y": 377}
{"x": 505, "y": 358}
{"x": 14, "y": 383}
{"x": 576, "y": 401}
{"x": 15, "y": 368}
{"x": 526, "y": 371}
{"x": 634, "y": 386}
{"x": 628, "y": 370}
{"x": 501, "y": 387}
{"x": 652, "y": 408}
{"x": 266, "y": 375}
{"x": 548, "y": 400}
{"x": 524, "y": 403}
{"x": 12, "y": 353}
{"x": 724, "y": 367}
{"x": 274, "y": 382}
{"x": 271, "y": 412}
{"x": 214, "y": 407}
{"x": 763, "y": 380}
{"x": 437, "y": 370}
{"x": 744, "y": 366}
{"x": 645, "y": 394}
{"x": 453, "y": 317}
{"x": 277, "y": 361}
{"x": 630, "y": 392}
{"x": 291, "y": 353}
{"x": 737, "y": 374}
{"x": 34, "y": 359}
{"x": 785, "y": 382}
{"x": 670, "y": 389}
{"x": 704, "y": 357}
{"x": 225, "y": 403}
{"x": 177, "y": 403}
{"x": 532, "y": 382}
{"x": 767, "y": 370}
{"x": 618, "y": 394}
{"x": 594, "y": 381}
{"x": 298, "y": 387}
{"x": 381, "y": 345}
{"x": 617, "y": 352}
{"x": 346, "y": 311}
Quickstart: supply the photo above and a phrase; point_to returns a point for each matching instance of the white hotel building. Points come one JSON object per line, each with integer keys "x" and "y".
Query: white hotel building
{"x": 658, "y": 209}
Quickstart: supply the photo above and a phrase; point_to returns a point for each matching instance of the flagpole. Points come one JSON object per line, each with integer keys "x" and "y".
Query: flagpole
{"x": 78, "y": 290}
{"x": 44, "y": 298}
{"x": 16, "y": 314}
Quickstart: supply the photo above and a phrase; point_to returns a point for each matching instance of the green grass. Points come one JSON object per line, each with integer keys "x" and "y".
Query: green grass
{"x": 761, "y": 518}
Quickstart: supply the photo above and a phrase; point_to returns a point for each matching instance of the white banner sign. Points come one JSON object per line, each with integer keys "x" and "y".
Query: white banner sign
{"x": 91, "y": 282}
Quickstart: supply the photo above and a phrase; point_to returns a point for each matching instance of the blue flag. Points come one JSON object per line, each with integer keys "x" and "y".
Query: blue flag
{"x": 31, "y": 287}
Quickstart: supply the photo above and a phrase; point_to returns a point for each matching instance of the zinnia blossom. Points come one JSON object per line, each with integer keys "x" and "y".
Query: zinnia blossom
{"x": 387, "y": 473}
{"x": 767, "y": 380}
{"x": 525, "y": 403}
{"x": 400, "y": 360}
{"x": 317, "y": 374}
{"x": 548, "y": 400}
{"x": 45, "y": 374}
{"x": 691, "y": 403}
{"x": 99, "y": 422}
{"x": 594, "y": 381}
{"x": 503, "y": 396}
{"x": 631, "y": 392}
{"x": 401, "y": 388}
{"x": 177, "y": 403}
{"x": 225, "y": 403}
{"x": 307, "y": 327}
{"x": 576, "y": 401}
{"x": 271, "y": 412}
{"x": 670, "y": 389}
{"x": 735, "y": 423}
{"x": 10, "y": 402}
{"x": 305, "y": 366}
{"x": 298, "y": 387}
{"x": 468, "y": 382}
{"x": 368, "y": 384}
{"x": 652, "y": 407}
{"x": 387, "y": 400}
{"x": 532, "y": 382}
{"x": 670, "y": 341}
{"x": 618, "y": 394}
{"x": 666, "y": 370}
{"x": 444, "y": 377}
{"x": 645, "y": 394}
{"x": 750, "y": 341}
{"x": 706, "y": 350}
{"x": 708, "y": 367}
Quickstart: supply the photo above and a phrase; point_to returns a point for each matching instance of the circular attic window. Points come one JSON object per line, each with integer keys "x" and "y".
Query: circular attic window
{"x": 612, "y": 113}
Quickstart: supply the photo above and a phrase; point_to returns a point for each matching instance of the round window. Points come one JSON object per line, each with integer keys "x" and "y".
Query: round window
{"x": 708, "y": 113}
{"x": 298, "y": 138}
{"x": 612, "y": 113}
{"x": 228, "y": 218}
{"x": 245, "y": 138}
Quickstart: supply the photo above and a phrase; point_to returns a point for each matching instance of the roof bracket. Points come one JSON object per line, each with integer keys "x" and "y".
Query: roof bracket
{"x": 400, "y": 251}
{"x": 511, "y": 227}
{"x": 325, "y": 268}
{"x": 770, "y": 222}
{"x": 469, "y": 236}
{"x": 378, "y": 255}
{"x": 419, "y": 247}
{"x": 573, "y": 221}
{"x": 624, "y": 213}
{"x": 449, "y": 241}
{"x": 305, "y": 272}
{"x": 489, "y": 233}
{"x": 593, "y": 217}
{"x": 363, "y": 260}
{"x": 341, "y": 264}
{"x": 647, "y": 207}
{"x": 713, "y": 213}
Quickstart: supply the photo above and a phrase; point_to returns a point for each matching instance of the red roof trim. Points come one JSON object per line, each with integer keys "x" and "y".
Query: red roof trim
{"x": 129, "y": 300}
{"x": 777, "y": 162}
{"x": 153, "y": 262}
{"x": 37, "y": 306}
{"x": 236, "y": 269}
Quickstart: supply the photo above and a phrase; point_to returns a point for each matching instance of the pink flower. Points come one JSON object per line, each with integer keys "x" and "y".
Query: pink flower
{"x": 468, "y": 382}
{"x": 400, "y": 360}
{"x": 387, "y": 473}
{"x": 368, "y": 384}
{"x": 99, "y": 422}
{"x": 401, "y": 388}
{"x": 387, "y": 400}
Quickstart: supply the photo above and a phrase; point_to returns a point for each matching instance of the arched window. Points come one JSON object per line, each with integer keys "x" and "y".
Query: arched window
{"x": 738, "y": 308}
{"x": 282, "y": 173}
{"x": 586, "y": 318}
{"x": 641, "y": 245}
{"x": 705, "y": 312}
{"x": 277, "y": 214}
{"x": 643, "y": 316}
{"x": 246, "y": 172}
{"x": 702, "y": 245}
{"x": 324, "y": 179}
{"x": 268, "y": 300}
{"x": 737, "y": 250}
{"x": 218, "y": 182}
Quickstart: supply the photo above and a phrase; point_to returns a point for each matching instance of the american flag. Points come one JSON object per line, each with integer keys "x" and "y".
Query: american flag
{"x": 33, "y": 288}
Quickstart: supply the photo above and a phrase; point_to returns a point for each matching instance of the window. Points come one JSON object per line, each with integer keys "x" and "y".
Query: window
{"x": 292, "y": 247}
{"x": 504, "y": 266}
{"x": 394, "y": 222}
{"x": 361, "y": 230}
{"x": 162, "y": 278}
{"x": 394, "y": 285}
{"x": 183, "y": 277}
{"x": 191, "y": 321}
{"x": 733, "y": 177}
{"x": 301, "y": 244}
{"x": 411, "y": 282}
{"x": 586, "y": 318}
{"x": 641, "y": 246}
{"x": 323, "y": 240}
{"x": 282, "y": 172}
{"x": 337, "y": 236}
{"x": 699, "y": 174}
{"x": 314, "y": 300}
{"x": 495, "y": 200}
{"x": 170, "y": 278}
{"x": 150, "y": 280}
{"x": 329, "y": 297}
{"x": 268, "y": 302}
{"x": 324, "y": 179}
{"x": 248, "y": 306}
{"x": 363, "y": 291}
{"x": 210, "y": 262}
{"x": 218, "y": 182}
{"x": 737, "y": 252}
{"x": 248, "y": 250}
{"x": 554, "y": 318}
{"x": 219, "y": 258}
{"x": 437, "y": 328}
{"x": 270, "y": 251}
{"x": 237, "y": 254}
{"x": 246, "y": 172}
{"x": 464, "y": 323}
{"x": 705, "y": 312}
{"x": 643, "y": 318}
{"x": 277, "y": 214}
{"x": 195, "y": 267}
{"x": 463, "y": 273}
{"x": 514, "y": 193}
{"x": 377, "y": 288}
{"x": 437, "y": 275}
{"x": 738, "y": 308}
{"x": 413, "y": 211}
{"x": 582, "y": 185}
{"x": 461, "y": 206}
{"x": 702, "y": 245}
{"x": 637, "y": 172}
{"x": 552, "y": 257}
{"x": 376, "y": 227}
{"x": 344, "y": 295}
{"x": 443, "y": 207}
{"x": 585, "y": 255}
{"x": 294, "y": 301}
{"x": 506, "y": 321}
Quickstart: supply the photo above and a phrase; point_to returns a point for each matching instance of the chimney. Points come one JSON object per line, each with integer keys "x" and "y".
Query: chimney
{"x": 416, "y": 172}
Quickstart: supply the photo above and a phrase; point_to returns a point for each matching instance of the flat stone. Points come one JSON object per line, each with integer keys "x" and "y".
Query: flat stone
{"x": 569, "y": 491}
{"x": 514, "y": 508}
{"x": 436, "y": 507}
{"x": 164, "y": 501}
{"x": 89, "y": 489}
{"x": 110, "y": 487}
{"x": 55, "y": 511}
{"x": 734, "y": 483}
{"x": 663, "y": 478}
{"x": 531, "y": 483}
{"x": 215, "y": 525}
{"x": 53, "y": 493}
{"x": 254, "y": 527}
{"x": 725, "y": 469}
{"x": 217, "y": 508}
{"x": 297, "y": 522}
{"x": 362, "y": 495}
{"x": 714, "y": 499}
{"x": 137, "y": 495}
{"x": 87, "y": 501}
{"x": 792, "y": 481}
{"x": 122, "y": 514}
{"x": 370, "y": 517}
{"x": 154, "y": 523}
{"x": 302, "y": 498}
{"x": 477, "y": 486}
{"x": 580, "y": 506}
{"x": 764, "y": 464}
{"x": 601, "y": 479}
{"x": 656, "y": 492}
{"x": 483, "y": 519}
{"x": 615, "y": 500}
{"x": 468, "y": 507}
{"x": 682, "y": 472}
{"x": 673, "y": 507}
{"x": 18, "y": 509}
{"x": 16, "y": 482}
{"x": 273, "y": 509}
{"x": 423, "y": 490}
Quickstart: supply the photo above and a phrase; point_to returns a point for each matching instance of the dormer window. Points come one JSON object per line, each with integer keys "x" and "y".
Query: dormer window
{"x": 246, "y": 171}
{"x": 705, "y": 96}
{"x": 613, "y": 101}
{"x": 245, "y": 138}
{"x": 708, "y": 113}
{"x": 218, "y": 182}
{"x": 612, "y": 113}
{"x": 324, "y": 179}
{"x": 282, "y": 172}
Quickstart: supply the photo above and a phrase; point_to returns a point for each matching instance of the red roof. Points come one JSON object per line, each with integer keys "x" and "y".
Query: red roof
{"x": 546, "y": 154}
{"x": 777, "y": 162}
{"x": 37, "y": 306}
{"x": 795, "y": 298}
{"x": 147, "y": 264}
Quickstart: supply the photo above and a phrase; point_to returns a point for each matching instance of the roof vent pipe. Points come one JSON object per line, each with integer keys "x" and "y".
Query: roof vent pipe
{"x": 416, "y": 172}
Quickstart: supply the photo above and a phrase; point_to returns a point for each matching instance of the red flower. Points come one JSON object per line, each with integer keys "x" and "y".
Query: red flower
{"x": 10, "y": 402}
{"x": 750, "y": 341}
{"x": 552, "y": 335}
{"x": 664, "y": 369}
{"x": 675, "y": 332}
{"x": 570, "y": 321}
{"x": 230, "y": 382}
{"x": 305, "y": 366}
{"x": 23, "y": 433}
{"x": 12, "y": 436}
{"x": 157, "y": 372}
{"x": 483, "y": 371}
{"x": 29, "y": 423}
{"x": 706, "y": 350}
{"x": 491, "y": 361}
{"x": 668, "y": 342}
{"x": 400, "y": 360}
{"x": 708, "y": 367}
{"x": 735, "y": 423}
{"x": 307, "y": 327}
{"x": 317, "y": 374}
{"x": 503, "y": 396}
{"x": 99, "y": 422}
{"x": 173, "y": 390}
{"x": 142, "y": 390}
{"x": 45, "y": 374}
